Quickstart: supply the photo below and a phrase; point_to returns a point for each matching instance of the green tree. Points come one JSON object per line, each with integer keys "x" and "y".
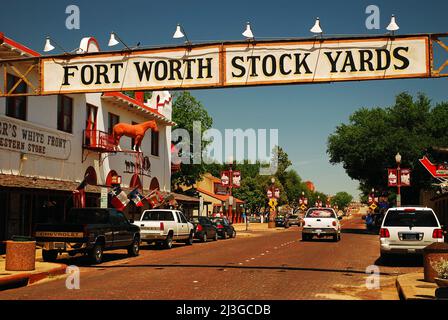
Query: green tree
{"x": 186, "y": 110}
{"x": 367, "y": 145}
{"x": 342, "y": 200}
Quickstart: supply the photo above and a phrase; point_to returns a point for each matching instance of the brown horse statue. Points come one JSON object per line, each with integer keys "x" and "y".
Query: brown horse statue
{"x": 136, "y": 131}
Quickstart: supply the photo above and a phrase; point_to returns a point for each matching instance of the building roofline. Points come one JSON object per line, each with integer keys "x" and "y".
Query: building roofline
{"x": 131, "y": 101}
{"x": 13, "y": 44}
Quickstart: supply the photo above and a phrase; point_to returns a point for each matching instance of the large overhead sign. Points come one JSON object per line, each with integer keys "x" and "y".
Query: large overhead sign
{"x": 230, "y": 64}
{"x": 241, "y": 64}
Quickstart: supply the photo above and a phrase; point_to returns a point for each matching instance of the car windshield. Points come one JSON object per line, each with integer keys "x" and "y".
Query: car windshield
{"x": 293, "y": 217}
{"x": 408, "y": 218}
{"x": 320, "y": 213}
{"x": 158, "y": 216}
{"x": 87, "y": 216}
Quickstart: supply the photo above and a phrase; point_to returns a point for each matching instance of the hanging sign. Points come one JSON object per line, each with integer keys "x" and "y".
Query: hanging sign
{"x": 405, "y": 177}
{"x": 239, "y": 64}
{"x": 392, "y": 177}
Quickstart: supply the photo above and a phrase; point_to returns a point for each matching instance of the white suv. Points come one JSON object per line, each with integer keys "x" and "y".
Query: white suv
{"x": 407, "y": 230}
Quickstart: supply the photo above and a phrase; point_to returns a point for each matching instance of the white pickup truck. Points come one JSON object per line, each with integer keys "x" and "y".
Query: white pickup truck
{"x": 165, "y": 226}
{"x": 321, "y": 222}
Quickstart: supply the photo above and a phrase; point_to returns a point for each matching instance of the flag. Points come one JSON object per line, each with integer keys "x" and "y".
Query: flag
{"x": 136, "y": 197}
{"x": 155, "y": 198}
{"x": 119, "y": 198}
{"x": 79, "y": 195}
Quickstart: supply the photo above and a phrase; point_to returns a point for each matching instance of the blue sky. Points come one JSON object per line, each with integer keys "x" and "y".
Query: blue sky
{"x": 304, "y": 114}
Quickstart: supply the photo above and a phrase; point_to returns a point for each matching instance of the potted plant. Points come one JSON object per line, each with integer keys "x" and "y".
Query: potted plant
{"x": 441, "y": 267}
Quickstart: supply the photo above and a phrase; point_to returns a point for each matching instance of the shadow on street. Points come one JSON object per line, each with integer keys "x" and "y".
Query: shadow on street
{"x": 223, "y": 267}
{"x": 400, "y": 261}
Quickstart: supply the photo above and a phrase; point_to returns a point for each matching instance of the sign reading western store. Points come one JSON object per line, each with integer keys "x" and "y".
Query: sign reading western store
{"x": 241, "y": 64}
{"x": 20, "y": 136}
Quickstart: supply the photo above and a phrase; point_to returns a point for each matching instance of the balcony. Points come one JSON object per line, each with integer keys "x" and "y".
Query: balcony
{"x": 98, "y": 141}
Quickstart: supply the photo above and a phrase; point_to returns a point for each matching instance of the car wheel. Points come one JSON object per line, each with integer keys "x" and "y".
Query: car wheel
{"x": 225, "y": 235}
{"x": 335, "y": 238}
{"x": 134, "y": 248}
{"x": 190, "y": 239}
{"x": 168, "y": 243}
{"x": 233, "y": 234}
{"x": 204, "y": 237}
{"x": 49, "y": 255}
{"x": 96, "y": 254}
{"x": 305, "y": 237}
{"x": 286, "y": 226}
{"x": 216, "y": 237}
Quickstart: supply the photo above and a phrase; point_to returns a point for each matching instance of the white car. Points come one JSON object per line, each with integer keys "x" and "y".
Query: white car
{"x": 165, "y": 226}
{"x": 321, "y": 222}
{"x": 407, "y": 230}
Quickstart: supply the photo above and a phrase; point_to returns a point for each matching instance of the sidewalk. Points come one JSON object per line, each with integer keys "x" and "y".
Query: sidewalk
{"x": 411, "y": 286}
{"x": 14, "y": 279}
{"x": 255, "y": 229}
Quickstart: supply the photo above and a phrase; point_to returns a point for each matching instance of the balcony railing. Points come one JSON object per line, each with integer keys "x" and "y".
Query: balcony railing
{"x": 98, "y": 141}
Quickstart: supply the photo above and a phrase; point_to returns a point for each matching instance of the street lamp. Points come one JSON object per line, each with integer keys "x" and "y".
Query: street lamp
{"x": 398, "y": 161}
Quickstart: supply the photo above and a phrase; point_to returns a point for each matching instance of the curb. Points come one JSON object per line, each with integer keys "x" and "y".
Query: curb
{"x": 25, "y": 279}
{"x": 411, "y": 286}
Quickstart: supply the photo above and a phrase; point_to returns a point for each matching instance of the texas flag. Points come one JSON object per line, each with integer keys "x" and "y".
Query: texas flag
{"x": 119, "y": 198}
{"x": 136, "y": 197}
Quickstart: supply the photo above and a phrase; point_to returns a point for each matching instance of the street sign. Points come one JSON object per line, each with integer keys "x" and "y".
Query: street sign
{"x": 436, "y": 170}
{"x": 303, "y": 207}
{"x": 405, "y": 177}
{"x": 373, "y": 206}
{"x": 103, "y": 200}
{"x": 236, "y": 179}
{"x": 225, "y": 178}
{"x": 392, "y": 177}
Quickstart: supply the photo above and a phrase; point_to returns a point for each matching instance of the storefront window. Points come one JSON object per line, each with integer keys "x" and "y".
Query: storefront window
{"x": 65, "y": 114}
{"x": 16, "y": 106}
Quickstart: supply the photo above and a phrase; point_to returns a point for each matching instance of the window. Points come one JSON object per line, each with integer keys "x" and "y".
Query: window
{"x": 182, "y": 218}
{"x": 410, "y": 218}
{"x": 154, "y": 143}
{"x": 113, "y": 120}
{"x": 158, "y": 216}
{"x": 117, "y": 218}
{"x": 65, "y": 114}
{"x": 91, "y": 113}
{"x": 16, "y": 106}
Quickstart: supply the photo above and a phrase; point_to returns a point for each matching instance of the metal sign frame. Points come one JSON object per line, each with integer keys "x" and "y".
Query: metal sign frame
{"x": 23, "y": 68}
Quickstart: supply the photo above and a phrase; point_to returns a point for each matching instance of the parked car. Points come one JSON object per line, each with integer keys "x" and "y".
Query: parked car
{"x": 280, "y": 221}
{"x": 204, "y": 229}
{"x": 292, "y": 220}
{"x": 407, "y": 230}
{"x": 89, "y": 231}
{"x": 321, "y": 222}
{"x": 165, "y": 226}
{"x": 224, "y": 227}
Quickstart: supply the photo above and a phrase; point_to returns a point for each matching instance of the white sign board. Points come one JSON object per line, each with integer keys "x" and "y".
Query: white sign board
{"x": 103, "y": 199}
{"x": 240, "y": 64}
{"x": 24, "y": 137}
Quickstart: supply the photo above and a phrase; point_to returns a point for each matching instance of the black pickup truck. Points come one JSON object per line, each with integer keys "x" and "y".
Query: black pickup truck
{"x": 89, "y": 231}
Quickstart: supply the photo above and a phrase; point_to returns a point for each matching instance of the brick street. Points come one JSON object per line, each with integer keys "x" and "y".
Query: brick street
{"x": 274, "y": 265}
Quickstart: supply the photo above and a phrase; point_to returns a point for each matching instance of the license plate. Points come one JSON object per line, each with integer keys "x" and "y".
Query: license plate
{"x": 410, "y": 236}
{"x": 318, "y": 231}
